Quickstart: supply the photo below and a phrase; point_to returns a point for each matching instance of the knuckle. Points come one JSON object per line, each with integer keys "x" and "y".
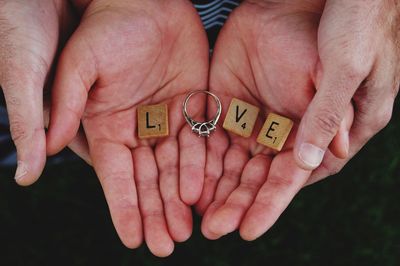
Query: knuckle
{"x": 148, "y": 185}
{"x": 327, "y": 122}
{"x": 237, "y": 205}
{"x": 249, "y": 186}
{"x": 116, "y": 177}
{"x": 170, "y": 171}
{"x": 123, "y": 202}
{"x": 116, "y": 182}
{"x": 231, "y": 176}
{"x": 333, "y": 170}
{"x": 266, "y": 204}
{"x": 172, "y": 201}
{"x": 330, "y": 169}
{"x": 191, "y": 167}
{"x": 382, "y": 119}
{"x": 211, "y": 178}
{"x": 354, "y": 70}
{"x": 13, "y": 101}
{"x": 280, "y": 182}
{"x": 152, "y": 214}
{"x": 18, "y": 130}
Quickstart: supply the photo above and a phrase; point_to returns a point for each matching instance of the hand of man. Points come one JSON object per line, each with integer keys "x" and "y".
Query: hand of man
{"x": 31, "y": 32}
{"x": 358, "y": 48}
{"x": 268, "y": 54}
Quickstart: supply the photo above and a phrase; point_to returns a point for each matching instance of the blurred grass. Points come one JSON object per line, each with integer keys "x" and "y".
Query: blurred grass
{"x": 352, "y": 218}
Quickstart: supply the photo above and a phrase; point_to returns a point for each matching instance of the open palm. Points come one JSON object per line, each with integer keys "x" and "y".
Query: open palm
{"x": 124, "y": 55}
{"x": 265, "y": 56}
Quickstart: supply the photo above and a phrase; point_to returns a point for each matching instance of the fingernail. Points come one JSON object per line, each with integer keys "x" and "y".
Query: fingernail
{"x": 311, "y": 155}
{"x": 22, "y": 170}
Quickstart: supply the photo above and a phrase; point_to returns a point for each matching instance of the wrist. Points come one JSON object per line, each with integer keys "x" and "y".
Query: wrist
{"x": 81, "y": 5}
{"x": 302, "y": 5}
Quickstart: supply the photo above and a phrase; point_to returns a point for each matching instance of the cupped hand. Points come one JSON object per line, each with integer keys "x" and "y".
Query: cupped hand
{"x": 280, "y": 56}
{"x": 265, "y": 56}
{"x": 31, "y": 32}
{"x": 125, "y": 54}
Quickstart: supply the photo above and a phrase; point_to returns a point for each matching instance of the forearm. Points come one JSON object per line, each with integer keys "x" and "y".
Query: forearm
{"x": 312, "y": 5}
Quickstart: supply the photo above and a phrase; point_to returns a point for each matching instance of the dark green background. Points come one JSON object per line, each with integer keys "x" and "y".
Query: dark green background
{"x": 352, "y": 218}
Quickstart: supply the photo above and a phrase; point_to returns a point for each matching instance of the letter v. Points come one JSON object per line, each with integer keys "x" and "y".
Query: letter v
{"x": 238, "y": 117}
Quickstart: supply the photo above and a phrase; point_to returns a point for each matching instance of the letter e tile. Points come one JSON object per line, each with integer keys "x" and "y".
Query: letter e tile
{"x": 275, "y": 131}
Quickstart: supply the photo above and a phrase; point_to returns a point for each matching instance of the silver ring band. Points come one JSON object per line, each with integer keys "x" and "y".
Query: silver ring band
{"x": 203, "y": 129}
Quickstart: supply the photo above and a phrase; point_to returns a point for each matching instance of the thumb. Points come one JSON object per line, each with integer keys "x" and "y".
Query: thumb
{"x": 25, "y": 111}
{"x": 74, "y": 76}
{"x": 324, "y": 116}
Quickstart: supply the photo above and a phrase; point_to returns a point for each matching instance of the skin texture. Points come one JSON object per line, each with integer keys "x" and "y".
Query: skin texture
{"x": 358, "y": 44}
{"x": 122, "y": 55}
{"x": 298, "y": 59}
{"x": 31, "y": 33}
{"x": 330, "y": 66}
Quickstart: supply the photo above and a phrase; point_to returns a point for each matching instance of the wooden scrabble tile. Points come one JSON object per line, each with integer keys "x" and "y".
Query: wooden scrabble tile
{"x": 153, "y": 121}
{"x": 275, "y": 131}
{"x": 241, "y": 117}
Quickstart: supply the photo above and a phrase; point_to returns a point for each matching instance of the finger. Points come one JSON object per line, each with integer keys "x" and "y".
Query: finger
{"x": 25, "y": 61}
{"x": 178, "y": 214}
{"x": 192, "y": 154}
{"x": 325, "y": 113}
{"x": 205, "y": 228}
{"x": 114, "y": 167}
{"x": 76, "y": 73}
{"x": 375, "y": 99}
{"x": 25, "y": 111}
{"x": 374, "y": 106}
{"x": 369, "y": 120}
{"x": 192, "y": 160}
{"x": 217, "y": 146}
{"x": 234, "y": 162}
{"x": 151, "y": 206}
{"x": 332, "y": 165}
{"x": 22, "y": 78}
{"x": 285, "y": 179}
{"x": 340, "y": 144}
{"x": 228, "y": 217}
{"x": 216, "y": 149}
{"x": 80, "y": 147}
{"x": 364, "y": 127}
{"x": 79, "y": 144}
